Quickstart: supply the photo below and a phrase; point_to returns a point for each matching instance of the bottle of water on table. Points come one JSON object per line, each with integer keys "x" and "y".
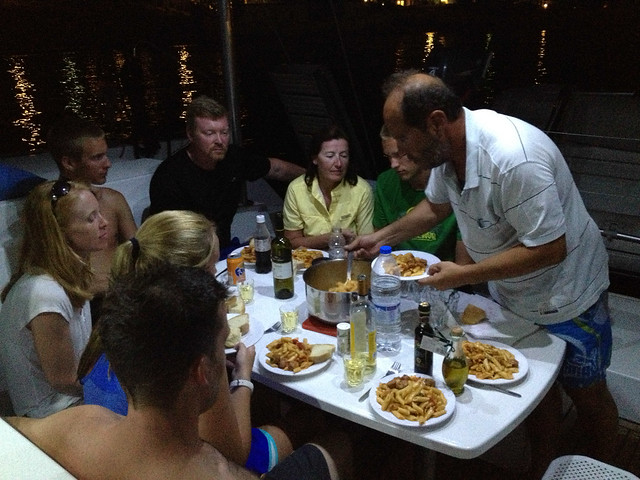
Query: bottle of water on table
{"x": 385, "y": 297}
{"x": 336, "y": 243}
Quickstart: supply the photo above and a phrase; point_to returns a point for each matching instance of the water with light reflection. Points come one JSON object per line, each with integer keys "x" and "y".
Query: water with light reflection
{"x": 35, "y": 87}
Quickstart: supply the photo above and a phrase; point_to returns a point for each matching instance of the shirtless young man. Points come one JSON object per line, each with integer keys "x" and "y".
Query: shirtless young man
{"x": 79, "y": 148}
{"x": 171, "y": 375}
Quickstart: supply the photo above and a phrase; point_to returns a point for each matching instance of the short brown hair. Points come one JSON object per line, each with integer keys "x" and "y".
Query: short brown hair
{"x": 203, "y": 107}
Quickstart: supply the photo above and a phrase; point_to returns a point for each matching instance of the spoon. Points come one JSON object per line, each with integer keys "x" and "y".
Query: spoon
{"x": 349, "y": 263}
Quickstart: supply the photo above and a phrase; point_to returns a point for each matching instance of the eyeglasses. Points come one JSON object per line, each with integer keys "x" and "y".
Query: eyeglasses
{"x": 59, "y": 190}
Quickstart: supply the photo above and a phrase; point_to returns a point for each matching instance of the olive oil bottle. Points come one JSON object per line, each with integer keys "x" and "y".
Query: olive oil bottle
{"x": 455, "y": 368}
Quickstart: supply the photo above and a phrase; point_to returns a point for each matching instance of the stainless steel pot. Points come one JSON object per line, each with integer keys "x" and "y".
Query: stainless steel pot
{"x": 331, "y": 307}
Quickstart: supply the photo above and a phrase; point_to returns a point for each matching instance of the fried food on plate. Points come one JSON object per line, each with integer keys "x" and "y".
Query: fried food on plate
{"x": 410, "y": 265}
{"x": 413, "y": 398}
{"x": 488, "y": 362}
{"x": 305, "y": 256}
{"x": 249, "y": 253}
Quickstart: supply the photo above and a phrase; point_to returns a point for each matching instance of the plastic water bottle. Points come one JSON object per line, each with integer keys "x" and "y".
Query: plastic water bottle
{"x": 386, "y": 263}
{"x": 385, "y": 297}
{"x": 336, "y": 243}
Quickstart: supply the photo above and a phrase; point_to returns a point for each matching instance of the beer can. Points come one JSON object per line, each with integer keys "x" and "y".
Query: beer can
{"x": 235, "y": 269}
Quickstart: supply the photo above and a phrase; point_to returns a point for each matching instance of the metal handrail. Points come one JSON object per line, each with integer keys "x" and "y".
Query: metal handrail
{"x": 614, "y": 235}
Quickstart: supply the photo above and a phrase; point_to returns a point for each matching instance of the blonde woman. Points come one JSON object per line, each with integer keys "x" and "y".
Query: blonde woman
{"x": 45, "y": 319}
{"x": 186, "y": 238}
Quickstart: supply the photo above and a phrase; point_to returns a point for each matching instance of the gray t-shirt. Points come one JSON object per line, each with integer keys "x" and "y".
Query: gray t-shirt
{"x": 519, "y": 189}
{"x": 32, "y": 295}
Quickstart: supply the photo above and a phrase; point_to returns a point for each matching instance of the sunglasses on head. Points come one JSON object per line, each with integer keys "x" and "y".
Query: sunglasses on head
{"x": 59, "y": 190}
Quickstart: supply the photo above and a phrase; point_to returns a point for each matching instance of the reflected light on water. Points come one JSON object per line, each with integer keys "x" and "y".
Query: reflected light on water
{"x": 430, "y": 42}
{"x": 24, "y": 98}
{"x": 185, "y": 78}
{"x": 71, "y": 85}
{"x": 541, "y": 69}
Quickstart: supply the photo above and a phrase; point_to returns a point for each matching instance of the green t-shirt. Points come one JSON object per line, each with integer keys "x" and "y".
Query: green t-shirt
{"x": 394, "y": 199}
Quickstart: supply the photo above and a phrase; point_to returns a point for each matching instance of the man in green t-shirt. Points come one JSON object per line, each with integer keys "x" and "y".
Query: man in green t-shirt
{"x": 401, "y": 188}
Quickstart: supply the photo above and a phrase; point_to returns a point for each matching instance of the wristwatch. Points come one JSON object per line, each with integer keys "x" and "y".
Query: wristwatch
{"x": 233, "y": 384}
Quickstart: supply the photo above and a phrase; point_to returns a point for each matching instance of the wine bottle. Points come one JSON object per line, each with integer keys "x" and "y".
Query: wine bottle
{"x": 281, "y": 262}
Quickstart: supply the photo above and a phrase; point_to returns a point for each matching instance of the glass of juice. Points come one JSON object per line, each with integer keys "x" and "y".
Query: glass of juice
{"x": 353, "y": 369}
{"x": 288, "y": 317}
{"x": 246, "y": 289}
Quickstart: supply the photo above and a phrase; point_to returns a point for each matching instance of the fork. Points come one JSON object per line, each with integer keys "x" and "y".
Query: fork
{"x": 395, "y": 368}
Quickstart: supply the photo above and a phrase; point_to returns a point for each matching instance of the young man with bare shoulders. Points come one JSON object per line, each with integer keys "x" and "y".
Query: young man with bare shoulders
{"x": 79, "y": 148}
{"x": 163, "y": 332}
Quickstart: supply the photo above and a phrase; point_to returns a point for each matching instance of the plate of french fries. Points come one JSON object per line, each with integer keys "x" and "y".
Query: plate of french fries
{"x": 412, "y": 400}
{"x": 290, "y": 356}
{"x": 247, "y": 253}
{"x": 495, "y": 363}
{"x": 305, "y": 256}
{"x": 413, "y": 264}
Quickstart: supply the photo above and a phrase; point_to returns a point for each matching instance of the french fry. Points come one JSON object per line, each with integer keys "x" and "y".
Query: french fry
{"x": 305, "y": 256}
{"x": 410, "y": 265}
{"x": 411, "y": 398}
{"x": 487, "y": 362}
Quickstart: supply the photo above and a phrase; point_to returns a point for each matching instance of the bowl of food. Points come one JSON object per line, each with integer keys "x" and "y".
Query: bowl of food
{"x": 328, "y": 292}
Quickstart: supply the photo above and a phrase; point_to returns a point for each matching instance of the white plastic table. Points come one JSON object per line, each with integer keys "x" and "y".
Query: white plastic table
{"x": 481, "y": 419}
{"x": 21, "y": 459}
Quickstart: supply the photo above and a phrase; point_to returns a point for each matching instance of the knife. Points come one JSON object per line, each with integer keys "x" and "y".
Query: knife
{"x": 497, "y": 388}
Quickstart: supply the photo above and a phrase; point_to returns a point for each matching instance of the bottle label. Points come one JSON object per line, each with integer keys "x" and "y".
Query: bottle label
{"x": 282, "y": 270}
{"x": 262, "y": 244}
{"x": 434, "y": 345}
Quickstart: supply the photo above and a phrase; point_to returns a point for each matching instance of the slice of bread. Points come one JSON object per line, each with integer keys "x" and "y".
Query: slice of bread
{"x": 321, "y": 352}
{"x": 473, "y": 315}
{"x": 238, "y": 326}
{"x": 235, "y": 336}
{"x": 234, "y": 304}
{"x": 241, "y": 321}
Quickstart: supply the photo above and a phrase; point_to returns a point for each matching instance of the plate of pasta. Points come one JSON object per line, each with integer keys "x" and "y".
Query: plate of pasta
{"x": 412, "y": 400}
{"x": 294, "y": 357}
{"x": 413, "y": 264}
{"x": 494, "y": 363}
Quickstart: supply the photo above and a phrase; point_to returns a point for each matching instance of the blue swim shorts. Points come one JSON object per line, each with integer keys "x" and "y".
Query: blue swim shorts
{"x": 264, "y": 452}
{"x": 589, "y": 341}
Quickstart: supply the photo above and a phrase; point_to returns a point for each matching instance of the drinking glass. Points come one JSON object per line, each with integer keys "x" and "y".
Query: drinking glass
{"x": 246, "y": 290}
{"x": 353, "y": 369}
{"x": 288, "y": 317}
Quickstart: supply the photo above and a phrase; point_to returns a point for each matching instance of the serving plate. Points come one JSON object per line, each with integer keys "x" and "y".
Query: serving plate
{"x": 304, "y": 269}
{"x": 316, "y": 367}
{"x": 431, "y": 259}
{"x": 523, "y": 366}
{"x": 432, "y": 422}
{"x": 256, "y": 330}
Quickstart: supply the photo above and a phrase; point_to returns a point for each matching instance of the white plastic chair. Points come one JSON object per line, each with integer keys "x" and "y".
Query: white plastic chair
{"x": 578, "y": 467}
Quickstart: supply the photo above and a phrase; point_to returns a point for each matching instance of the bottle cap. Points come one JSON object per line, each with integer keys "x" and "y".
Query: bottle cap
{"x": 260, "y": 218}
{"x": 457, "y": 331}
{"x": 385, "y": 249}
{"x": 424, "y": 308}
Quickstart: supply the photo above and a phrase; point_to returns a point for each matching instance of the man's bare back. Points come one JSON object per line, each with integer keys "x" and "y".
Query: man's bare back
{"x": 94, "y": 443}
{"x": 121, "y": 226}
